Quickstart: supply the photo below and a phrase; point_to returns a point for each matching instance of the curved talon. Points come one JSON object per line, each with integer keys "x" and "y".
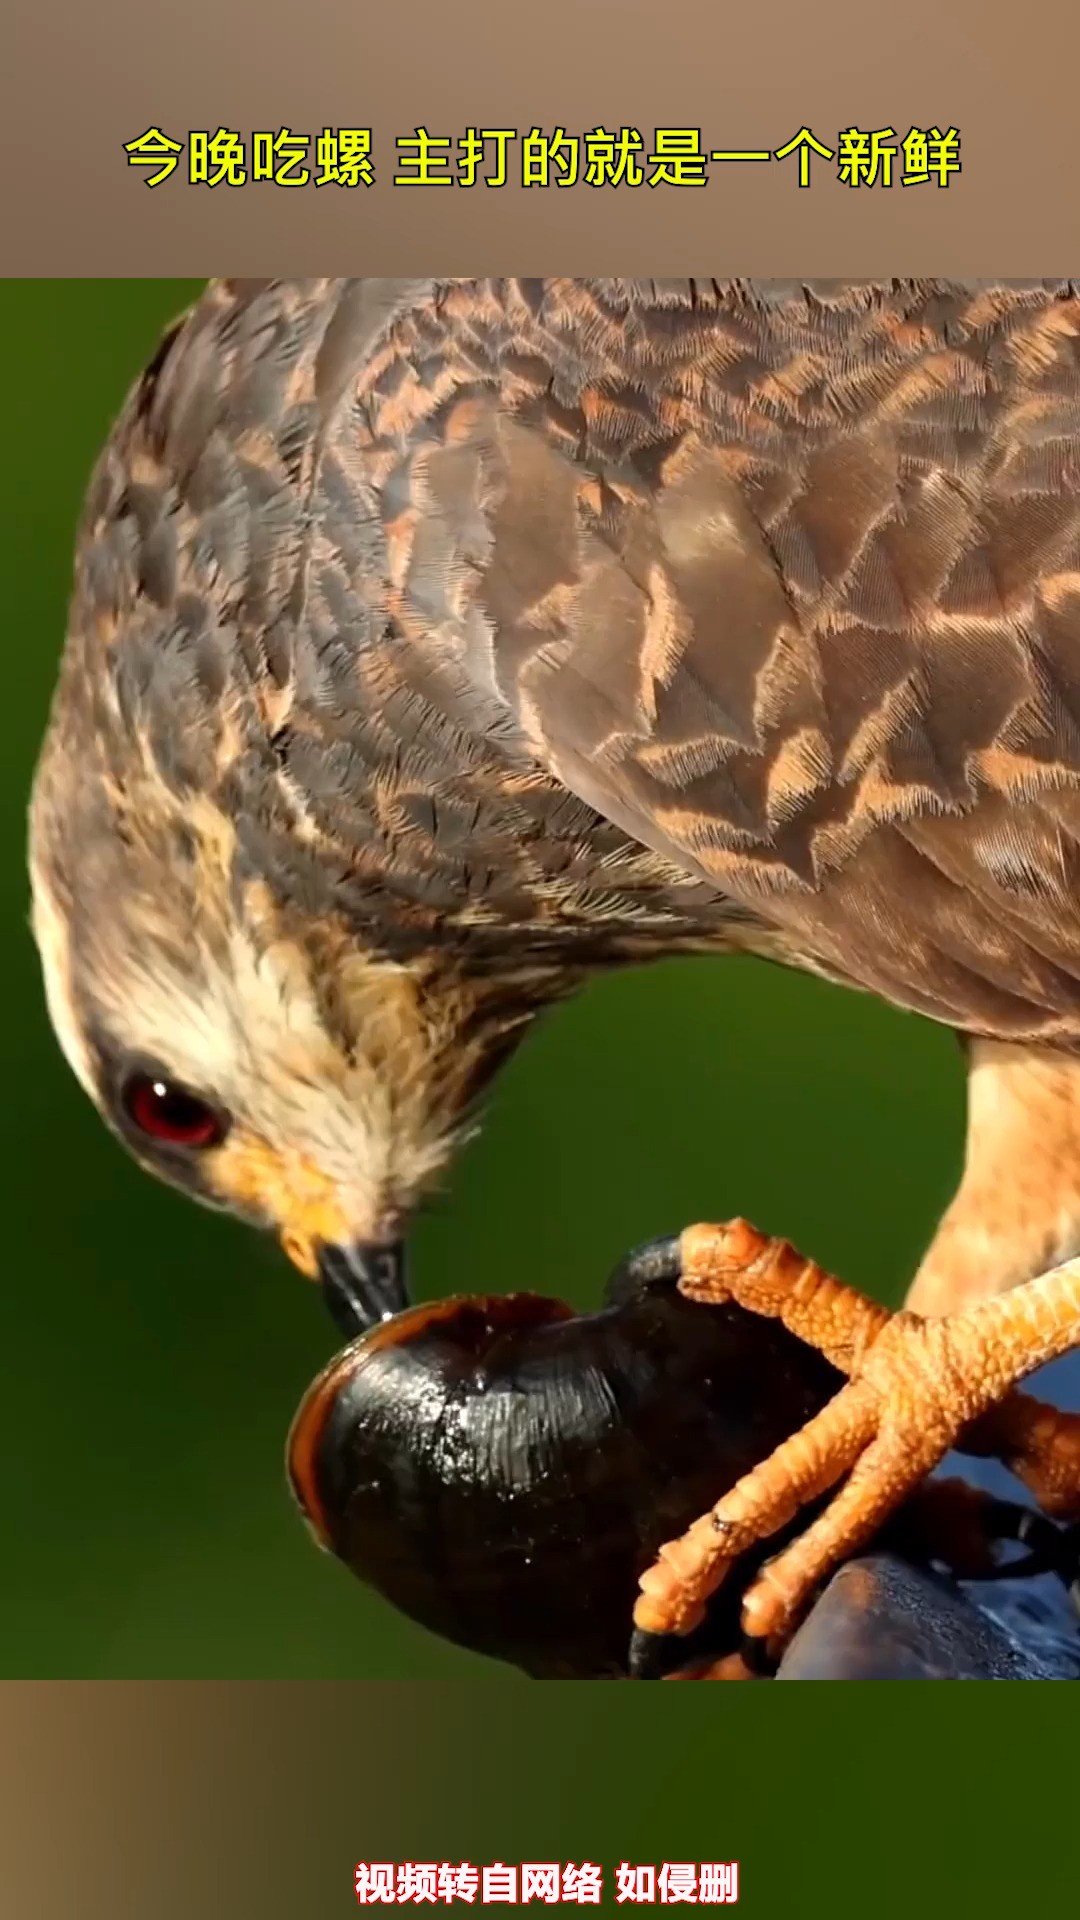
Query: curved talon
{"x": 1049, "y": 1548}
{"x": 1066, "y": 1563}
{"x": 646, "y": 1660}
{"x": 1071, "y": 1559}
{"x": 958, "y": 1525}
{"x": 760, "y": 1660}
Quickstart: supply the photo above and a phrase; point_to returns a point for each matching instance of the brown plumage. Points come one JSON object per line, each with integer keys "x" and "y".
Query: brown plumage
{"x": 435, "y": 643}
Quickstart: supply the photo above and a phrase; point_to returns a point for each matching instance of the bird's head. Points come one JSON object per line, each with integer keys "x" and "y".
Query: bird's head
{"x": 254, "y": 958}
{"x": 261, "y": 1056}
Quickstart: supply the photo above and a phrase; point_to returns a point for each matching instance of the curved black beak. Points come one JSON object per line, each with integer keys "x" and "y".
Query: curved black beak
{"x": 363, "y": 1285}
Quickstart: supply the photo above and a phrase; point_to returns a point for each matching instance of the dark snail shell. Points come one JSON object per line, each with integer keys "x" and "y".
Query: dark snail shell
{"x": 502, "y": 1469}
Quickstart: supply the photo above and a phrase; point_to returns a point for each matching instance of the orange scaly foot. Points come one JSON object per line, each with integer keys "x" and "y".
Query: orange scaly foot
{"x": 917, "y": 1387}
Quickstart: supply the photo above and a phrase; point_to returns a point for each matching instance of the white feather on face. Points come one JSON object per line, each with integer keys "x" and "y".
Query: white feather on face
{"x": 50, "y": 929}
{"x": 350, "y": 1123}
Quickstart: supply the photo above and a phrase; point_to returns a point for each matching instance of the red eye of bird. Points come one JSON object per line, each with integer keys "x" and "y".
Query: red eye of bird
{"x": 169, "y": 1113}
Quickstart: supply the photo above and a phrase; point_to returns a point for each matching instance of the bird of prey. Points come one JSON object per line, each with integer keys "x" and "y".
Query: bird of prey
{"x": 438, "y": 643}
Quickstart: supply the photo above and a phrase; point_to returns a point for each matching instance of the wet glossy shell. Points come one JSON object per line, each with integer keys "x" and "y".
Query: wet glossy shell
{"x": 502, "y": 1470}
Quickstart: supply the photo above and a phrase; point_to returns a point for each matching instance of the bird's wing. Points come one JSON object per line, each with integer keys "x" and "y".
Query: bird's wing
{"x": 782, "y": 581}
{"x": 790, "y": 592}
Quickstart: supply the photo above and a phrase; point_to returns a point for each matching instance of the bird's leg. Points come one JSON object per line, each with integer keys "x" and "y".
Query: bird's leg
{"x": 1016, "y": 1212}
{"x": 916, "y": 1388}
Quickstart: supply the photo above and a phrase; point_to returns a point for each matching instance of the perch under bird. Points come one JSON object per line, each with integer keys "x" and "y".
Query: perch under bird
{"x": 436, "y": 644}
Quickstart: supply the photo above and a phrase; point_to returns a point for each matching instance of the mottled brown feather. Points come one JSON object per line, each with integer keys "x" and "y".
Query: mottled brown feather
{"x": 613, "y": 616}
{"x": 786, "y": 583}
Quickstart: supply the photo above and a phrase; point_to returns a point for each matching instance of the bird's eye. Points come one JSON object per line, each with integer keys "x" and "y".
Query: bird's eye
{"x": 168, "y": 1112}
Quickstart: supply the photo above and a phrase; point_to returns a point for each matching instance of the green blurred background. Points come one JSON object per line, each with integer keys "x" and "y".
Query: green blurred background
{"x": 153, "y": 1355}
